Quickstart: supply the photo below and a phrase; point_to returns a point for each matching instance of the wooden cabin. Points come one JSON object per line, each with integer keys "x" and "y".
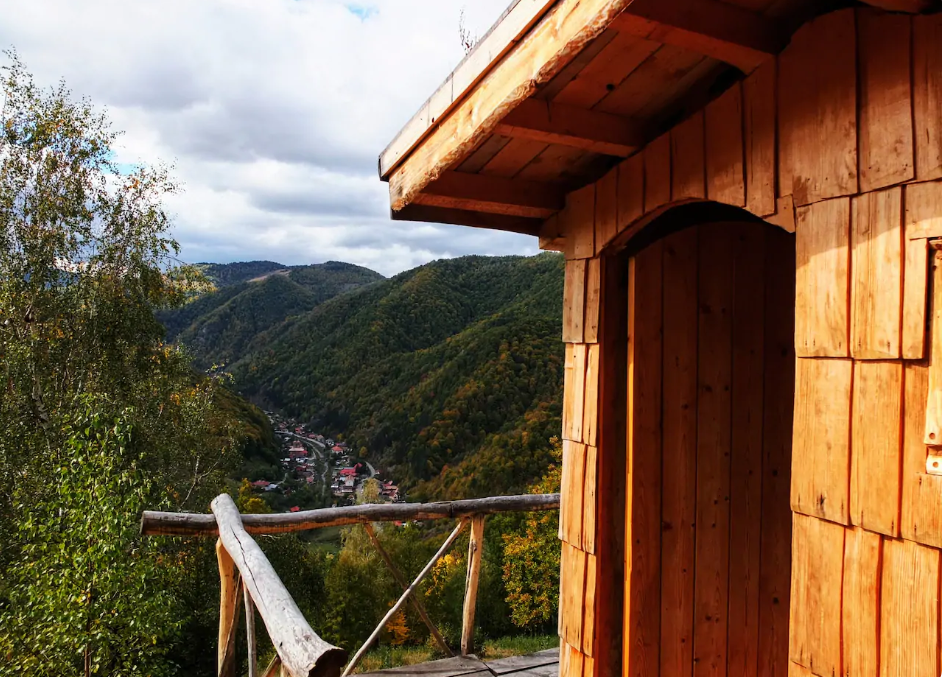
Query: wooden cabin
{"x": 747, "y": 195}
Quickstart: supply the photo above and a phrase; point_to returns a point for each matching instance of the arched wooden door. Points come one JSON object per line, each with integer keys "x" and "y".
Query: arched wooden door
{"x": 711, "y": 372}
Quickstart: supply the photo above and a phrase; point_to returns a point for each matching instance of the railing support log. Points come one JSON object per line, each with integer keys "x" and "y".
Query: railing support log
{"x": 416, "y": 602}
{"x": 475, "y": 548}
{"x": 189, "y": 524}
{"x": 402, "y": 600}
{"x": 229, "y": 599}
{"x": 274, "y": 668}
{"x": 302, "y": 652}
{"x": 250, "y": 632}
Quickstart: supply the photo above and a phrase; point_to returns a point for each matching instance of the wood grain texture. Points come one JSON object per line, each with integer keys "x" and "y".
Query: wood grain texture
{"x": 572, "y": 594}
{"x": 714, "y": 408}
{"x": 687, "y": 159}
{"x": 921, "y": 518}
{"x": 886, "y": 113}
{"x": 726, "y": 181}
{"x": 817, "y": 565}
{"x": 933, "y": 431}
{"x": 759, "y": 135}
{"x": 860, "y": 605}
{"x": 588, "y": 606}
{"x": 577, "y": 221}
{"x": 877, "y": 265}
{"x": 821, "y": 456}
{"x": 574, "y": 301}
{"x": 590, "y": 413}
{"x": 657, "y": 173}
{"x": 606, "y": 209}
{"x": 643, "y": 499}
{"x": 821, "y": 286}
{"x": 630, "y": 191}
{"x": 590, "y": 500}
{"x": 927, "y": 95}
{"x": 776, "y": 537}
{"x": 915, "y": 298}
{"x": 876, "y": 446}
{"x": 574, "y": 391}
{"x": 923, "y": 217}
{"x": 570, "y": 510}
{"x": 592, "y": 300}
{"x": 817, "y": 100}
{"x": 679, "y": 483}
{"x": 748, "y": 338}
{"x": 909, "y": 610}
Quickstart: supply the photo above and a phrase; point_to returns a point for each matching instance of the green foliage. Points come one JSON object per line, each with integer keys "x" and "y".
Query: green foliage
{"x": 532, "y": 559}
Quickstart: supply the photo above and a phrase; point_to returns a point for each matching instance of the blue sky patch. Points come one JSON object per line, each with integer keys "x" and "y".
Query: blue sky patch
{"x": 364, "y": 12}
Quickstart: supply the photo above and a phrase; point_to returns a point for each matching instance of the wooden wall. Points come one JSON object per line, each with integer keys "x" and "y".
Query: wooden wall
{"x": 840, "y": 141}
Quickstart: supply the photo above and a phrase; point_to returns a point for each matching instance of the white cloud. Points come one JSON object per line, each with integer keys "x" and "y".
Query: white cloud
{"x": 272, "y": 112}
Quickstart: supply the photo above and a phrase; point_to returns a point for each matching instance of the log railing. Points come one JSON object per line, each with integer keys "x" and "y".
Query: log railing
{"x": 246, "y": 575}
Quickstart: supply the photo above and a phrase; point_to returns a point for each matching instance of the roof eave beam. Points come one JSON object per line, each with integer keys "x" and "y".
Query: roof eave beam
{"x": 492, "y": 194}
{"x": 463, "y": 217}
{"x": 728, "y": 33}
{"x": 548, "y": 122}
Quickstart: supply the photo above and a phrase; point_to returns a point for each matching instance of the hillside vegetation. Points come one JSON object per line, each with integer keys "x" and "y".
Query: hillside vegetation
{"x": 448, "y": 375}
{"x": 252, "y": 298}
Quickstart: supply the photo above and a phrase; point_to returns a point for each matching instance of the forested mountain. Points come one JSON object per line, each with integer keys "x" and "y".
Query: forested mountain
{"x": 252, "y": 298}
{"x": 448, "y": 375}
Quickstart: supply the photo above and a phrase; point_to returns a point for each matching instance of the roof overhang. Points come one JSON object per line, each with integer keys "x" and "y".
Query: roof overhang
{"x": 548, "y": 79}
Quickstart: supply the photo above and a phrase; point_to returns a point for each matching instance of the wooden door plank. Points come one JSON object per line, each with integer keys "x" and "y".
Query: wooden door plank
{"x": 921, "y": 519}
{"x": 590, "y": 500}
{"x": 592, "y": 299}
{"x": 860, "y": 606}
{"x": 876, "y": 446}
{"x": 570, "y": 514}
{"x": 714, "y": 408}
{"x": 630, "y": 191}
{"x": 574, "y": 301}
{"x": 574, "y": 391}
{"x": 577, "y": 221}
{"x": 933, "y": 431}
{"x": 776, "y": 536}
{"x": 657, "y": 173}
{"x": 687, "y": 168}
{"x": 817, "y": 98}
{"x": 759, "y": 139}
{"x": 643, "y": 521}
{"x": 927, "y": 95}
{"x": 748, "y": 335}
{"x": 572, "y": 587}
{"x": 915, "y": 294}
{"x": 909, "y": 610}
{"x": 821, "y": 286}
{"x": 724, "y": 149}
{"x": 679, "y": 484}
{"x": 588, "y": 611}
{"x": 877, "y": 264}
{"x": 590, "y": 413}
{"x": 606, "y": 209}
{"x": 817, "y": 565}
{"x": 821, "y": 457}
{"x": 886, "y": 114}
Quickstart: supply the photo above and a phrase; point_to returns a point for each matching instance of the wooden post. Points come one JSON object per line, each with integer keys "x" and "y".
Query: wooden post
{"x": 228, "y": 611}
{"x": 475, "y": 547}
{"x": 250, "y": 631}
{"x": 302, "y": 652}
{"x": 416, "y": 602}
{"x": 402, "y": 600}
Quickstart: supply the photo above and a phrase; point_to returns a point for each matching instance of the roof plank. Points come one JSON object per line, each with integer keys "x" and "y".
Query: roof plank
{"x": 493, "y": 194}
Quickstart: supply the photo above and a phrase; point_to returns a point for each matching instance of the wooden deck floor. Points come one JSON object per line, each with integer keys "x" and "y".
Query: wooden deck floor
{"x": 540, "y": 664}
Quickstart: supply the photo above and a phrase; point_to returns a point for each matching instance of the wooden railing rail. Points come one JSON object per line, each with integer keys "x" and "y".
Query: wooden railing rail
{"x": 245, "y": 572}
{"x": 190, "y": 524}
{"x": 301, "y": 652}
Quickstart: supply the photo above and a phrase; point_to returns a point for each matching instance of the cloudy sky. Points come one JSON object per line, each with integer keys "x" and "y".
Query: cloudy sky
{"x": 273, "y": 113}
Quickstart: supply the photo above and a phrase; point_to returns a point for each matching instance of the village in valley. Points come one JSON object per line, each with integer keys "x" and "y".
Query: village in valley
{"x": 318, "y": 462}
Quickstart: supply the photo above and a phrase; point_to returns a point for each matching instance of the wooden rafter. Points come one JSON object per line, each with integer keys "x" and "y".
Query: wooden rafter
{"x": 492, "y": 194}
{"x": 465, "y": 217}
{"x": 571, "y": 126}
{"x": 549, "y": 46}
{"x": 725, "y": 32}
